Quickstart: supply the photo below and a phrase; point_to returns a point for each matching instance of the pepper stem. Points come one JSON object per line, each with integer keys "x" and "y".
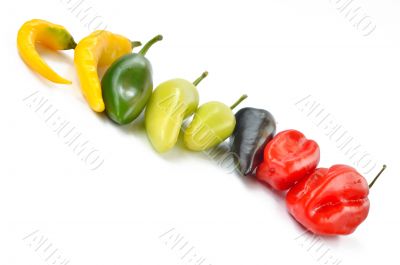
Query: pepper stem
{"x": 377, "y": 176}
{"x": 136, "y": 44}
{"x": 147, "y": 46}
{"x": 200, "y": 78}
{"x": 243, "y": 97}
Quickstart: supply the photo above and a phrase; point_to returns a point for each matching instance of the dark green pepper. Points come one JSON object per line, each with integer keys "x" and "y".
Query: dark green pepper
{"x": 254, "y": 129}
{"x": 127, "y": 85}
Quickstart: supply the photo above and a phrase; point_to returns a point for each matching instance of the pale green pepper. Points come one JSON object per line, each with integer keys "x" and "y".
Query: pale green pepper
{"x": 171, "y": 103}
{"x": 212, "y": 124}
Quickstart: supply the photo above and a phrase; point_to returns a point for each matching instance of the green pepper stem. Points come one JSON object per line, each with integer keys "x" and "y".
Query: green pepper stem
{"x": 377, "y": 176}
{"x": 136, "y": 44}
{"x": 198, "y": 80}
{"x": 147, "y": 46}
{"x": 243, "y": 97}
{"x": 73, "y": 44}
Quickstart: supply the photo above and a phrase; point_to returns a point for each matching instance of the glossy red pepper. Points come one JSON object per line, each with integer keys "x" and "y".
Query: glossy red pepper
{"x": 330, "y": 201}
{"x": 288, "y": 158}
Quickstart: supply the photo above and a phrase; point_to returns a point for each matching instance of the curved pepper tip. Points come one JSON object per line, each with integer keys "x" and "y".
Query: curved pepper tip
{"x": 59, "y": 80}
{"x": 98, "y": 106}
{"x": 161, "y": 149}
{"x": 65, "y": 82}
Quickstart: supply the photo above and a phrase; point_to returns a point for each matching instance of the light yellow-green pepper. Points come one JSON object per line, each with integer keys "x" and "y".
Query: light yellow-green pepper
{"x": 171, "y": 103}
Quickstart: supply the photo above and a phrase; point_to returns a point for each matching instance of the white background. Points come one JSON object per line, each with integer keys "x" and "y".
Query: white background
{"x": 278, "y": 52}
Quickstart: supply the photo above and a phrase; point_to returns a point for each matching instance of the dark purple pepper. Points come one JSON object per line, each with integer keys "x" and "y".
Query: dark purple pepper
{"x": 254, "y": 129}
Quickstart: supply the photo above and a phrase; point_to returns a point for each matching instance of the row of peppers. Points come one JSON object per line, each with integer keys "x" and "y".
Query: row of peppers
{"x": 326, "y": 201}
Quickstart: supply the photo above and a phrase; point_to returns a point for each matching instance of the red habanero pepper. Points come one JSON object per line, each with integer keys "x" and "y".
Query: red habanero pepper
{"x": 330, "y": 201}
{"x": 288, "y": 158}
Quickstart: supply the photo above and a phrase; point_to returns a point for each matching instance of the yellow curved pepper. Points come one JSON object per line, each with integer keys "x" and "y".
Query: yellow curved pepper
{"x": 52, "y": 36}
{"x": 99, "y": 49}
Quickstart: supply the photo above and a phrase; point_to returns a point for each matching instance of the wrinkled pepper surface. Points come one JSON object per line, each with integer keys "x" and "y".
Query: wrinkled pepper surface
{"x": 330, "y": 201}
{"x": 127, "y": 85}
{"x": 254, "y": 129}
{"x": 288, "y": 158}
{"x": 100, "y": 49}
{"x": 52, "y": 36}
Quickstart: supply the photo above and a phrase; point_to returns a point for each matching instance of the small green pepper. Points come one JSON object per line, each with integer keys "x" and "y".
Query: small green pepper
{"x": 171, "y": 103}
{"x": 127, "y": 85}
{"x": 213, "y": 122}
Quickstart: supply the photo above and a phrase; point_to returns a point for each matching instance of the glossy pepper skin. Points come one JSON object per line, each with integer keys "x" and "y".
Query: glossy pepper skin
{"x": 100, "y": 49}
{"x": 52, "y": 36}
{"x": 254, "y": 129}
{"x": 288, "y": 158}
{"x": 127, "y": 85}
{"x": 171, "y": 103}
{"x": 330, "y": 201}
{"x": 213, "y": 122}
